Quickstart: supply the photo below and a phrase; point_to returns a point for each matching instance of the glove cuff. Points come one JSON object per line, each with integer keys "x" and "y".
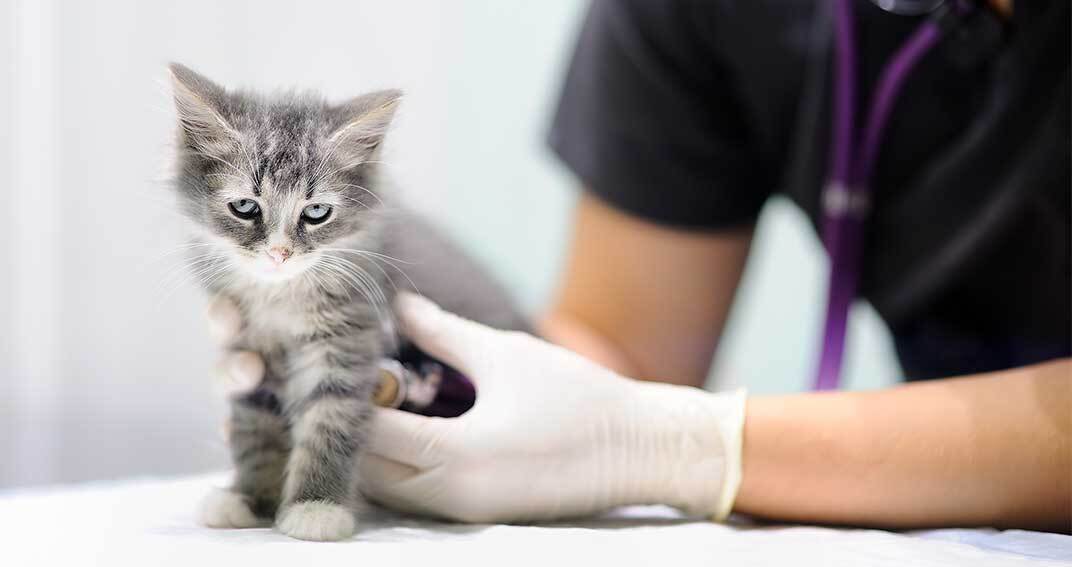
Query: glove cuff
{"x": 694, "y": 448}
{"x": 732, "y": 430}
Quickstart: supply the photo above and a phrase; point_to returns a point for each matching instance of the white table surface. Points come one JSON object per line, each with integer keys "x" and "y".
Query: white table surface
{"x": 150, "y": 522}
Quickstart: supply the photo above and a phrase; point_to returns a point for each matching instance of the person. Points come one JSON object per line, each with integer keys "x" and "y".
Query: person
{"x": 681, "y": 117}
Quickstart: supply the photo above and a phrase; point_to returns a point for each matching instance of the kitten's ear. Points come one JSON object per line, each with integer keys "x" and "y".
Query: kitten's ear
{"x": 198, "y": 102}
{"x": 361, "y": 124}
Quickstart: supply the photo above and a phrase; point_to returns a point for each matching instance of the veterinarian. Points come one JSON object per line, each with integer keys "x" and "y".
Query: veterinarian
{"x": 929, "y": 144}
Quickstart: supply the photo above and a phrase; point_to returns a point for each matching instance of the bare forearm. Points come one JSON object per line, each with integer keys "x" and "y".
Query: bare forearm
{"x": 646, "y": 300}
{"x": 988, "y": 450}
{"x": 564, "y": 330}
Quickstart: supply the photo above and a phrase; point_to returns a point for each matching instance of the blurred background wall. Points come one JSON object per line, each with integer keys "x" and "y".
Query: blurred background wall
{"x": 105, "y": 365}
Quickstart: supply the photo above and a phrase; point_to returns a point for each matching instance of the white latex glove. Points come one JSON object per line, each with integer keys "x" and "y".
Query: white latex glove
{"x": 552, "y": 435}
{"x": 237, "y": 371}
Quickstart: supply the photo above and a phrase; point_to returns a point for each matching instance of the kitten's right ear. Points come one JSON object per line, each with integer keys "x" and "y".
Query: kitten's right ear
{"x": 198, "y": 102}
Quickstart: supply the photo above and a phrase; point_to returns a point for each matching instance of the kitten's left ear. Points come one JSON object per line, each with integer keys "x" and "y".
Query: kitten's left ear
{"x": 361, "y": 124}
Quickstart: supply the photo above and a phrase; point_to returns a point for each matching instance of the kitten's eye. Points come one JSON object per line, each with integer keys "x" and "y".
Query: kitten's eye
{"x": 244, "y": 209}
{"x": 316, "y": 213}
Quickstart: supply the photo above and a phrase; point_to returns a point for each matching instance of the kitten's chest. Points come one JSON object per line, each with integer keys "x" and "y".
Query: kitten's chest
{"x": 272, "y": 323}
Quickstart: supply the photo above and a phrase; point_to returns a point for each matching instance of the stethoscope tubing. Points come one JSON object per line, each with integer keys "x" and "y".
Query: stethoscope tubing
{"x": 845, "y": 200}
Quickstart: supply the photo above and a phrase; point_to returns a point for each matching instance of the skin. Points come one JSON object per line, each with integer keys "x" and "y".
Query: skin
{"x": 986, "y": 450}
{"x": 644, "y": 300}
{"x": 990, "y": 450}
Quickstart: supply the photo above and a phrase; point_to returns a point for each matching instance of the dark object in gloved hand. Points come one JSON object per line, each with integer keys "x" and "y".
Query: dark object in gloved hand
{"x": 417, "y": 383}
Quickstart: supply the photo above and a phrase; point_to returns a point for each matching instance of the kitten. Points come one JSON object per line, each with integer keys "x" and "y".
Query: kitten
{"x": 291, "y": 225}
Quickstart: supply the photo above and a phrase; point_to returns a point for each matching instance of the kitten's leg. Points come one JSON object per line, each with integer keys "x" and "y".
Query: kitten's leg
{"x": 332, "y": 388}
{"x": 260, "y": 444}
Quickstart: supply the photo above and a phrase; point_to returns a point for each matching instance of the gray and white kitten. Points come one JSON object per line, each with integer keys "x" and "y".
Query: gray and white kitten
{"x": 291, "y": 225}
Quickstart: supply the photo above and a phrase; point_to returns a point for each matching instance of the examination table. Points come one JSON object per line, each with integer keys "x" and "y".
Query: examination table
{"x": 150, "y": 522}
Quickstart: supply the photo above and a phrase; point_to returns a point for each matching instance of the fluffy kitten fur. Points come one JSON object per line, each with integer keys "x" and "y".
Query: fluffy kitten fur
{"x": 317, "y": 318}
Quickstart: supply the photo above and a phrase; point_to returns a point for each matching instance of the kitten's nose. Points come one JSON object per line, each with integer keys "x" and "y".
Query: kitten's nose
{"x": 279, "y": 254}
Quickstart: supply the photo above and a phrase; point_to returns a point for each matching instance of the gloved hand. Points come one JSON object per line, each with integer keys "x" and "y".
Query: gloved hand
{"x": 237, "y": 371}
{"x": 552, "y": 435}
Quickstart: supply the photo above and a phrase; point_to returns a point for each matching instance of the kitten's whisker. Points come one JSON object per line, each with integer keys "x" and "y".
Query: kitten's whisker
{"x": 323, "y": 277}
{"x": 328, "y": 281}
{"x": 358, "y": 201}
{"x": 204, "y": 272}
{"x": 351, "y": 265}
{"x": 182, "y": 271}
{"x": 164, "y": 256}
{"x": 365, "y": 189}
{"x": 192, "y": 269}
{"x": 192, "y": 275}
{"x": 370, "y": 253}
{"x": 311, "y": 276}
{"x": 359, "y": 286}
{"x": 382, "y": 257}
{"x": 381, "y": 270}
{"x": 167, "y": 291}
{"x": 359, "y": 273}
{"x": 222, "y": 277}
{"x": 357, "y": 268}
{"x": 196, "y": 259}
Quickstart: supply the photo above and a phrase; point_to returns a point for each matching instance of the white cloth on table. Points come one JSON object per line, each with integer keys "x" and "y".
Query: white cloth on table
{"x": 151, "y": 522}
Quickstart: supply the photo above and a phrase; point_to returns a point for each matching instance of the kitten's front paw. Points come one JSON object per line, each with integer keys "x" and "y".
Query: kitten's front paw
{"x": 226, "y": 509}
{"x": 316, "y": 521}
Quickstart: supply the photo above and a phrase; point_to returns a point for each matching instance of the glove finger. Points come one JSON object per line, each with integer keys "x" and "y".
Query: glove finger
{"x": 224, "y": 320}
{"x": 393, "y": 484}
{"x": 240, "y": 372}
{"x": 409, "y": 438}
{"x": 380, "y": 473}
{"x": 458, "y": 342}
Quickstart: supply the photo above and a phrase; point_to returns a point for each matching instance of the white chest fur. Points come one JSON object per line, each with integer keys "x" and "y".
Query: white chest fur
{"x": 276, "y": 319}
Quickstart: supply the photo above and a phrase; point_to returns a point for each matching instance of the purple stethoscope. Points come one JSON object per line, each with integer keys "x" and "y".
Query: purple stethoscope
{"x": 846, "y": 197}
{"x": 424, "y": 385}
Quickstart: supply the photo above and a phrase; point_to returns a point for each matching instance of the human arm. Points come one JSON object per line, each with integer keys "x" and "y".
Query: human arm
{"x": 959, "y": 445}
{"x": 985, "y": 450}
{"x": 645, "y": 300}
{"x": 553, "y": 435}
{"x": 653, "y": 121}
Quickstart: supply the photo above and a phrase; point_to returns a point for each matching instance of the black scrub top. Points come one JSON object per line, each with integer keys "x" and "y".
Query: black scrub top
{"x": 691, "y": 113}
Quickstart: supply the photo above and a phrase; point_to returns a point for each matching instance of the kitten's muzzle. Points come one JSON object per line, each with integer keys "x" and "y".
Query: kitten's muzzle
{"x": 279, "y": 254}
